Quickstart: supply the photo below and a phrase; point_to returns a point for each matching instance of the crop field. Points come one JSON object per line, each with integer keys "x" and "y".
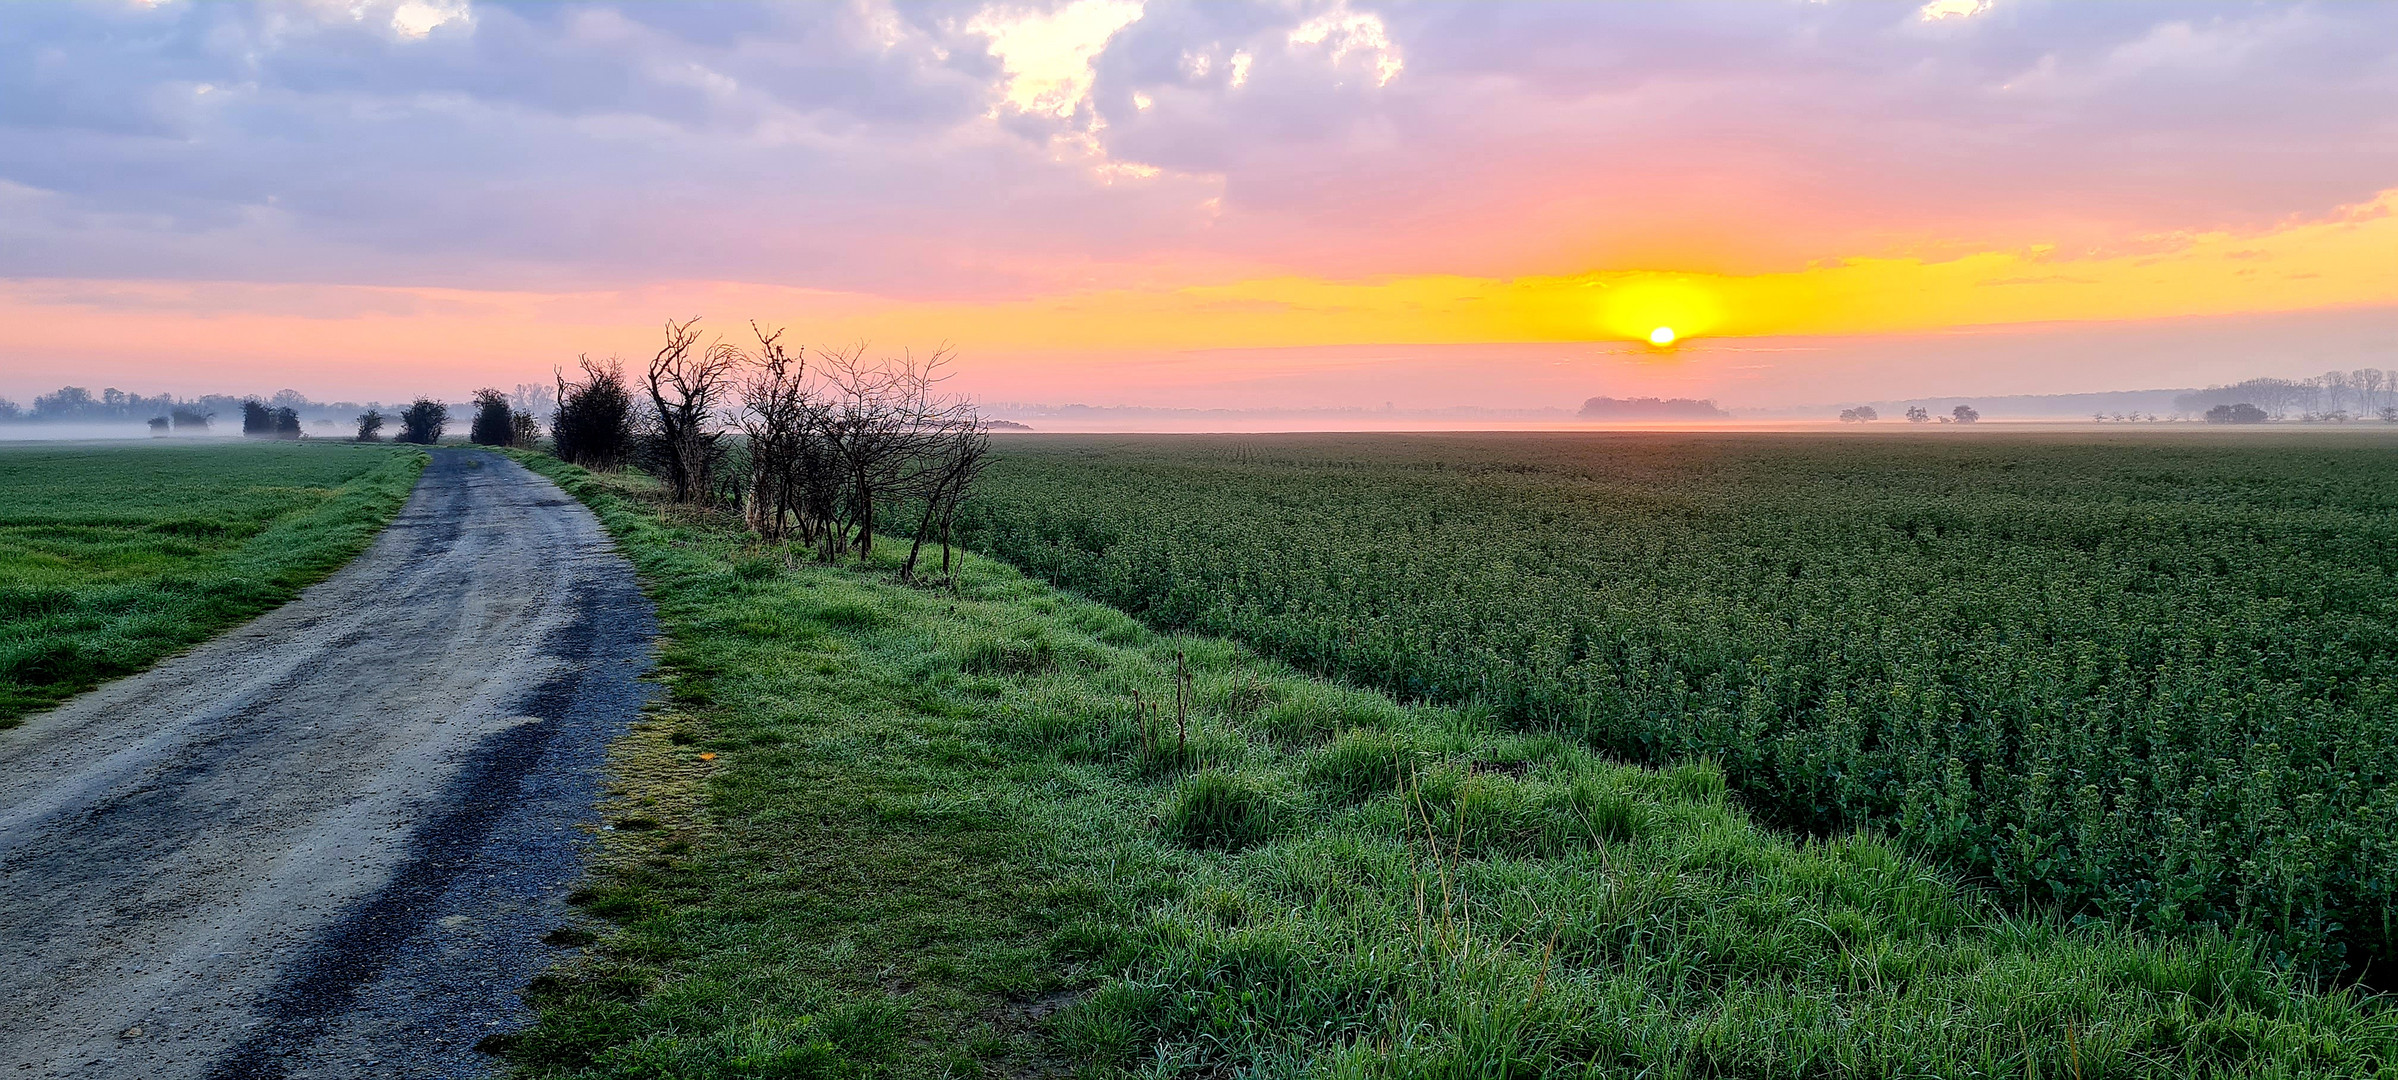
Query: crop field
{"x": 112, "y": 556}
{"x": 890, "y": 830}
{"x": 2151, "y": 681}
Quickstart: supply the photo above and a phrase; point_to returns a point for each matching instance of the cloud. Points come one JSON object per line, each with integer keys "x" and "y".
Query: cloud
{"x": 1343, "y": 33}
{"x": 1047, "y": 54}
{"x": 1942, "y": 10}
{"x": 417, "y": 18}
{"x": 931, "y": 150}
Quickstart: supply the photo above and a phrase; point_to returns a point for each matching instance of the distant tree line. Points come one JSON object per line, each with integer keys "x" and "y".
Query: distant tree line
{"x": 165, "y": 413}
{"x": 1649, "y": 408}
{"x": 2332, "y": 397}
{"x": 1916, "y": 414}
{"x": 824, "y": 449}
{"x": 284, "y": 414}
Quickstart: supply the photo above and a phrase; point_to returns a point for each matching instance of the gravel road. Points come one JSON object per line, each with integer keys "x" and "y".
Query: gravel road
{"x": 327, "y": 843}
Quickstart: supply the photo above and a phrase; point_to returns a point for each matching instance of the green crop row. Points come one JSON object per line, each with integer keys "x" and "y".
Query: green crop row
{"x": 2148, "y": 680}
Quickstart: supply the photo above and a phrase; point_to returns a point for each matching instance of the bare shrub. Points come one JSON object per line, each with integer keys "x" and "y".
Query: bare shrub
{"x": 779, "y": 423}
{"x": 370, "y": 426}
{"x": 833, "y": 445}
{"x": 688, "y": 387}
{"x": 954, "y": 448}
{"x": 594, "y": 425}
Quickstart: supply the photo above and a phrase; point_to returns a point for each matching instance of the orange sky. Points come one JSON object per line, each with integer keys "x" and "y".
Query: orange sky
{"x": 2342, "y": 261}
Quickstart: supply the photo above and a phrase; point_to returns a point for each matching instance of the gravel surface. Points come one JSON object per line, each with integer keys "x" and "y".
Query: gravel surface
{"x": 327, "y": 843}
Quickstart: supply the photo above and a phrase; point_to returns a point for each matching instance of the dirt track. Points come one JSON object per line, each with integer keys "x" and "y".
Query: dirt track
{"x": 326, "y": 843}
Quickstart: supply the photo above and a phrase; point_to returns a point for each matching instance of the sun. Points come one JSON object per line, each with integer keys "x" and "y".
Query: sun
{"x": 1661, "y": 336}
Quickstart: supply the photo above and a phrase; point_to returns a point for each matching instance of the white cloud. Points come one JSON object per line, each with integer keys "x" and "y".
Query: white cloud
{"x": 417, "y": 18}
{"x": 1240, "y": 67}
{"x": 1047, "y": 54}
{"x": 1343, "y": 32}
{"x": 1939, "y": 10}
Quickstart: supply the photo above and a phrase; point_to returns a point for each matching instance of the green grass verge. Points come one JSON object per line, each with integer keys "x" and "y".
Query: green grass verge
{"x": 112, "y": 557}
{"x": 882, "y": 831}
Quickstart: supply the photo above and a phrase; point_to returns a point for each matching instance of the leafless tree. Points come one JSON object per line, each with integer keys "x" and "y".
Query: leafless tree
{"x": 834, "y": 443}
{"x": 869, "y": 431}
{"x": 956, "y": 452}
{"x": 538, "y": 399}
{"x": 688, "y": 388}
{"x": 779, "y": 421}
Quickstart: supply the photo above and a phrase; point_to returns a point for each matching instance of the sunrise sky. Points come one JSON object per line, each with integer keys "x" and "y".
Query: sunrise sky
{"x": 1160, "y": 202}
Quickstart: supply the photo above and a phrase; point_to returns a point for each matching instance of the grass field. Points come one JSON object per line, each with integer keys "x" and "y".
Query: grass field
{"x": 2150, "y": 679}
{"x": 112, "y": 556}
{"x": 888, "y": 831}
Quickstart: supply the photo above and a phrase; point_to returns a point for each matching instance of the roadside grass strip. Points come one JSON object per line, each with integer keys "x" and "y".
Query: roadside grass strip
{"x": 113, "y": 557}
{"x": 879, "y": 830}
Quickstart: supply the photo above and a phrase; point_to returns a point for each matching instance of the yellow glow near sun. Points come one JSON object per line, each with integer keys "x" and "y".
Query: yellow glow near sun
{"x": 1659, "y": 309}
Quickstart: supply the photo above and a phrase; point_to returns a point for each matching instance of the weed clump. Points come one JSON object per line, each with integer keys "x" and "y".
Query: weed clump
{"x": 1216, "y": 810}
{"x": 1360, "y": 764}
{"x": 1026, "y": 653}
{"x": 850, "y": 615}
{"x": 1491, "y": 815}
{"x": 1317, "y": 711}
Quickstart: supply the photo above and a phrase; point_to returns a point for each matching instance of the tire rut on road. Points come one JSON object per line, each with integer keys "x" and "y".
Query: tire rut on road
{"x": 326, "y": 843}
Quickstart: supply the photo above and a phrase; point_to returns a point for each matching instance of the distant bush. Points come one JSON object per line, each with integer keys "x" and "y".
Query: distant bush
{"x": 259, "y": 421}
{"x": 422, "y": 421}
{"x": 493, "y": 424}
{"x": 189, "y": 419}
{"x": 2239, "y": 413}
{"x": 370, "y": 426}
{"x": 523, "y": 430}
{"x": 594, "y": 425}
